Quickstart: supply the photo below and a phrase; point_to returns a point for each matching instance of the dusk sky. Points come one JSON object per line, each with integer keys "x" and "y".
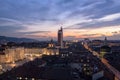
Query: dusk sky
{"x": 41, "y": 19}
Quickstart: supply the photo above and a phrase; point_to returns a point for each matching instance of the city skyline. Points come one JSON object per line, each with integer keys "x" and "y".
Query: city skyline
{"x": 40, "y": 19}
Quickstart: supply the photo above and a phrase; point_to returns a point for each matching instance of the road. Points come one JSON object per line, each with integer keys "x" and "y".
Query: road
{"x": 105, "y": 62}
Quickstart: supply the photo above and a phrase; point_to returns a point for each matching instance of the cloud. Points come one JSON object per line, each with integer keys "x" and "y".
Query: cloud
{"x": 29, "y": 16}
{"x": 10, "y": 30}
{"x": 34, "y": 32}
{"x": 10, "y": 27}
{"x": 111, "y": 17}
{"x": 9, "y": 22}
{"x": 93, "y": 35}
{"x": 115, "y": 32}
{"x": 69, "y": 37}
{"x": 106, "y": 21}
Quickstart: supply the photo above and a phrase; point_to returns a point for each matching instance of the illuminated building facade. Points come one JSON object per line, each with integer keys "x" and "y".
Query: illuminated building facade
{"x": 41, "y": 51}
{"x": 51, "y": 44}
{"x": 12, "y": 55}
{"x": 50, "y": 51}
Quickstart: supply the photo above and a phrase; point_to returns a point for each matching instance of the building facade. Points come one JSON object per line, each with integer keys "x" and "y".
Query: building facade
{"x": 12, "y": 55}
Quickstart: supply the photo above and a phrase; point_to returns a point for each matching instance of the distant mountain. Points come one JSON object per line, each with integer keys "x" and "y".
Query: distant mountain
{"x": 4, "y": 39}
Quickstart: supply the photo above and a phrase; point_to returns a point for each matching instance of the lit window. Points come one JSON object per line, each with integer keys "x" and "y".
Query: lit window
{"x": 33, "y": 78}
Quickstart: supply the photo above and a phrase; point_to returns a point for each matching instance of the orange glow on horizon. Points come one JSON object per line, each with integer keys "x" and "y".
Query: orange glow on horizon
{"x": 77, "y": 33}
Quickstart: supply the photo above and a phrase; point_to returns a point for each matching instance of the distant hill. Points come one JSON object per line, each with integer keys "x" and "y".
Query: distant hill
{"x": 4, "y": 39}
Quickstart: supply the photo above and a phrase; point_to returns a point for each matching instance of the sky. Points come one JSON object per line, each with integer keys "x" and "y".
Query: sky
{"x": 41, "y": 19}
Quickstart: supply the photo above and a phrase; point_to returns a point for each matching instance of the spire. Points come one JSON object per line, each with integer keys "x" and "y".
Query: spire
{"x": 51, "y": 40}
{"x": 61, "y": 28}
{"x": 105, "y": 38}
{"x": 105, "y": 41}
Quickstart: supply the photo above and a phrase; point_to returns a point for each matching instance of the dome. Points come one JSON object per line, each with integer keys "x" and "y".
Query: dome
{"x": 105, "y": 48}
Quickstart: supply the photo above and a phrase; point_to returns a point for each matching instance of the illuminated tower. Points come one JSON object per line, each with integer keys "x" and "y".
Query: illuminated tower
{"x": 60, "y": 38}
